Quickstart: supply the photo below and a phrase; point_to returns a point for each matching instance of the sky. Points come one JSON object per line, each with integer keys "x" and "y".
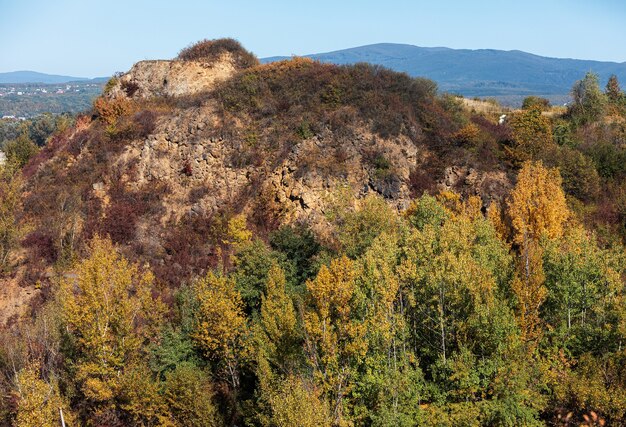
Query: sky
{"x": 93, "y": 38}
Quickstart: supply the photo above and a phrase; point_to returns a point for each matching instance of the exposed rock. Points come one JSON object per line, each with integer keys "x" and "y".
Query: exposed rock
{"x": 148, "y": 79}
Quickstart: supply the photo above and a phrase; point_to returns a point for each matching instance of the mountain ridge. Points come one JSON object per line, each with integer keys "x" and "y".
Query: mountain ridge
{"x": 476, "y": 72}
{"x": 28, "y": 76}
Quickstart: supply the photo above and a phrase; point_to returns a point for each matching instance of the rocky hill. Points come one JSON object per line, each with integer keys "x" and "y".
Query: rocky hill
{"x": 174, "y": 145}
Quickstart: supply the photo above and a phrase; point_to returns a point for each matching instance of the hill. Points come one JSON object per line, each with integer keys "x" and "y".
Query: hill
{"x": 483, "y": 72}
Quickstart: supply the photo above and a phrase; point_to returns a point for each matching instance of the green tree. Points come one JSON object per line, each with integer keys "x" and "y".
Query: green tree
{"x": 588, "y": 100}
{"x": 189, "y": 395}
{"x": 584, "y": 288}
{"x": 532, "y": 101}
{"x": 613, "y": 91}
{"x": 20, "y": 150}
{"x": 532, "y": 133}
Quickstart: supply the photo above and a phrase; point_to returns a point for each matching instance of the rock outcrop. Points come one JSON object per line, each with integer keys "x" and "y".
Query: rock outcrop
{"x": 149, "y": 79}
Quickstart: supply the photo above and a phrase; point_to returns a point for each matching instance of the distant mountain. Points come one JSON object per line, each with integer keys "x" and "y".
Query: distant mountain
{"x": 20, "y": 77}
{"x": 482, "y": 72}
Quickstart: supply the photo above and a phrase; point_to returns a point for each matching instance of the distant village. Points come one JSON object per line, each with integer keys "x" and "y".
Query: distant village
{"x": 27, "y": 100}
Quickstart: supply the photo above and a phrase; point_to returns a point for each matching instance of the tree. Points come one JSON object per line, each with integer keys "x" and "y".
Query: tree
{"x": 20, "y": 150}
{"x": 110, "y": 316}
{"x": 278, "y": 336}
{"x": 613, "y": 91}
{"x": 295, "y": 401}
{"x": 221, "y": 329}
{"x": 334, "y": 335}
{"x": 531, "y": 102}
{"x": 357, "y": 229}
{"x": 189, "y": 394}
{"x": 11, "y": 228}
{"x": 588, "y": 100}
{"x": 530, "y": 291}
{"x": 39, "y": 403}
{"x": 584, "y": 290}
{"x": 532, "y": 133}
{"x": 537, "y": 205}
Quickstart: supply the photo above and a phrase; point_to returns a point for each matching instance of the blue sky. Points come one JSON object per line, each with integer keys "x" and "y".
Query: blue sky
{"x": 96, "y": 38}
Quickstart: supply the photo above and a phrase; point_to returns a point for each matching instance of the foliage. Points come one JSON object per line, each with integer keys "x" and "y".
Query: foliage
{"x": 221, "y": 329}
{"x": 110, "y": 315}
{"x": 500, "y": 305}
{"x": 189, "y": 394}
{"x": 38, "y": 402}
{"x": 532, "y": 102}
{"x": 614, "y": 92}
{"x": 537, "y": 205}
{"x": 211, "y": 50}
{"x": 20, "y": 150}
{"x": 588, "y": 100}
{"x": 532, "y": 133}
{"x": 11, "y": 228}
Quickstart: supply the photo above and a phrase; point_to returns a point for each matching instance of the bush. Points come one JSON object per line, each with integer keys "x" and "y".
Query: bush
{"x": 211, "y": 50}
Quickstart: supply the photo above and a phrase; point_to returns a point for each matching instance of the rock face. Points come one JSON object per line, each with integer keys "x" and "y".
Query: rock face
{"x": 203, "y": 176}
{"x": 149, "y": 79}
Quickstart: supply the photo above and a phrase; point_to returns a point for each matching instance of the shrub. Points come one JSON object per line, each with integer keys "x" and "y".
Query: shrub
{"x": 211, "y": 50}
{"x": 530, "y": 102}
{"x": 109, "y": 110}
{"x": 129, "y": 87}
{"x": 42, "y": 244}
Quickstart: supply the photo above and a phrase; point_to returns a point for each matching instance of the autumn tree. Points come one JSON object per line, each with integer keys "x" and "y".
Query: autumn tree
{"x": 11, "y": 228}
{"x": 221, "y": 329}
{"x": 334, "y": 336}
{"x": 537, "y": 205}
{"x": 39, "y": 403}
{"x": 529, "y": 289}
{"x": 357, "y": 227}
{"x": 277, "y": 333}
{"x": 189, "y": 394}
{"x": 110, "y": 316}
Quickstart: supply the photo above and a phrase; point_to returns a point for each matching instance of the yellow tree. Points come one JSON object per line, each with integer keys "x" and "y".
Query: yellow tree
{"x": 109, "y": 311}
{"x": 221, "y": 330}
{"x": 537, "y": 208}
{"x": 530, "y": 291}
{"x": 335, "y": 339}
{"x": 11, "y": 231}
{"x": 537, "y": 204}
{"x": 39, "y": 403}
{"x": 297, "y": 402}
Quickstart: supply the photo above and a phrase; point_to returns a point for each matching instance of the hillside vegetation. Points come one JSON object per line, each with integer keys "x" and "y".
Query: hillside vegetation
{"x": 306, "y": 244}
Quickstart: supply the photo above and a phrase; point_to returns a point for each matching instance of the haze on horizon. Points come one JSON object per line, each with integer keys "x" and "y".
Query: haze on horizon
{"x": 66, "y": 37}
